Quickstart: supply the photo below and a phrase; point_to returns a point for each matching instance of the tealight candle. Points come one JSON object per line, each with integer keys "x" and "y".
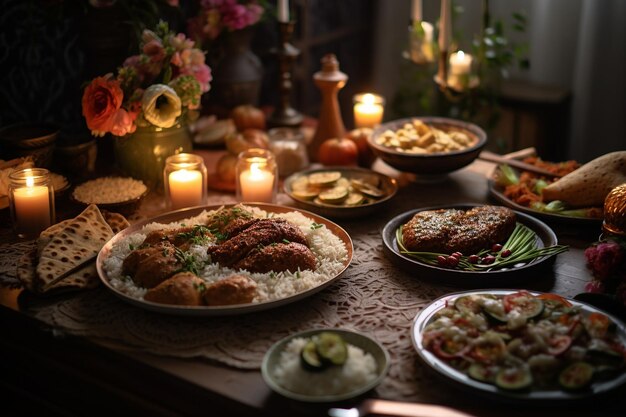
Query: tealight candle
{"x": 257, "y": 176}
{"x": 185, "y": 180}
{"x": 368, "y": 110}
{"x": 32, "y": 201}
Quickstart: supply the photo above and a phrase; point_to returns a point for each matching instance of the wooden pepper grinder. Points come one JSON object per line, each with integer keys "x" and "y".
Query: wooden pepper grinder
{"x": 330, "y": 125}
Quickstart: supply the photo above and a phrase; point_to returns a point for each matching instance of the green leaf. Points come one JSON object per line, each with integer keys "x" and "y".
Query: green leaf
{"x": 520, "y": 17}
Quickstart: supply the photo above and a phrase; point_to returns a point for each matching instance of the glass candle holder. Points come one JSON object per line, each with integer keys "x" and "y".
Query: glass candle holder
{"x": 460, "y": 69}
{"x": 289, "y": 148}
{"x": 257, "y": 176}
{"x": 368, "y": 110}
{"x": 185, "y": 179}
{"x": 31, "y": 197}
{"x": 421, "y": 43}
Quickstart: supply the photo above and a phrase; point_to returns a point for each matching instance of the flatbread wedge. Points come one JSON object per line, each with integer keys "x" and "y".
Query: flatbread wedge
{"x": 79, "y": 239}
{"x": 591, "y": 183}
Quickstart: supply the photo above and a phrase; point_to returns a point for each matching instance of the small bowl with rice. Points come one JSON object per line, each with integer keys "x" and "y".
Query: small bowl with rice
{"x": 325, "y": 365}
{"x": 116, "y": 194}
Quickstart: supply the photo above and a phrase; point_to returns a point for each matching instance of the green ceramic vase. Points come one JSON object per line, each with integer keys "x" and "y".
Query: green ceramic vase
{"x": 142, "y": 154}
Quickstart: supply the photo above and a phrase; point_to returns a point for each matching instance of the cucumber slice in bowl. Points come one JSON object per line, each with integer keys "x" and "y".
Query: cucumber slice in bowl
{"x": 576, "y": 376}
{"x": 310, "y": 359}
{"x": 483, "y": 373}
{"x": 514, "y": 379}
{"x": 331, "y": 348}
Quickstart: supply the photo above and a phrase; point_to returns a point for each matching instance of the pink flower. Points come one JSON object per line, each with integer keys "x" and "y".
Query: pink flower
{"x": 604, "y": 259}
{"x": 202, "y": 73}
{"x": 234, "y": 16}
{"x": 154, "y": 49}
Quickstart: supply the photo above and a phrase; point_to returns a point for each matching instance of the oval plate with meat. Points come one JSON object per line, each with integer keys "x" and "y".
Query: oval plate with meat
{"x": 522, "y": 272}
{"x": 550, "y": 390}
{"x": 109, "y": 250}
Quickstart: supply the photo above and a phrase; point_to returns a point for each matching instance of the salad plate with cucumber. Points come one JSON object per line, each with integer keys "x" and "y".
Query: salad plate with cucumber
{"x": 518, "y": 345}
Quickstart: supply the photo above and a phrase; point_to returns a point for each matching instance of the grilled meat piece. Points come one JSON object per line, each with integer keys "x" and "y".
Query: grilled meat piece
{"x": 137, "y": 256}
{"x": 184, "y": 288}
{"x": 180, "y": 237}
{"x": 156, "y": 268}
{"x": 261, "y": 233}
{"x": 237, "y": 226}
{"x": 236, "y": 289}
{"x": 452, "y": 230}
{"x": 429, "y": 230}
{"x": 278, "y": 257}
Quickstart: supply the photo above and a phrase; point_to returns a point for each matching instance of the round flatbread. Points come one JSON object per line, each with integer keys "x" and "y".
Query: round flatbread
{"x": 591, "y": 183}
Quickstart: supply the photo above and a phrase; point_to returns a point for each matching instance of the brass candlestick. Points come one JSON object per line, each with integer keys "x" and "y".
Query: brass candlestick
{"x": 285, "y": 115}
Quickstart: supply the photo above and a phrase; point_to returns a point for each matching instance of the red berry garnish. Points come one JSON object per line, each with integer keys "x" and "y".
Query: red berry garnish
{"x": 457, "y": 254}
{"x": 487, "y": 260}
{"x": 442, "y": 261}
{"x": 453, "y": 261}
{"x": 473, "y": 259}
{"x": 496, "y": 247}
{"x": 506, "y": 253}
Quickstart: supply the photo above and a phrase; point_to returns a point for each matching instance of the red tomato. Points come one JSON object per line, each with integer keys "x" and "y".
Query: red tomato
{"x": 449, "y": 349}
{"x": 516, "y": 300}
{"x": 559, "y": 344}
{"x": 556, "y": 298}
{"x": 338, "y": 151}
{"x": 597, "y": 324}
{"x": 360, "y": 136}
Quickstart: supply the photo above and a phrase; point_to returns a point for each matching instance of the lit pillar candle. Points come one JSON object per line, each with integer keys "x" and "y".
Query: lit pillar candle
{"x": 185, "y": 188}
{"x": 185, "y": 177}
{"x": 368, "y": 110}
{"x": 283, "y": 11}
{"x": 32, "y": 202}
{"x": 257, "y": 184}
{"x": 460, "y": 63}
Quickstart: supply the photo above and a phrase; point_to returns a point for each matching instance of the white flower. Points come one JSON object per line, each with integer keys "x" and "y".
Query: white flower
{"x": 161, "y": 105}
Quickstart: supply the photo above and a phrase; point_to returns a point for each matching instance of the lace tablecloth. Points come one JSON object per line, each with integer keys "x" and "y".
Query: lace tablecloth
{"x": 373, "y": 297}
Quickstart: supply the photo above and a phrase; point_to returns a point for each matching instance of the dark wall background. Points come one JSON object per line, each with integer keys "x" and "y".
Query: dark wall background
{"x": 50, "y": 49}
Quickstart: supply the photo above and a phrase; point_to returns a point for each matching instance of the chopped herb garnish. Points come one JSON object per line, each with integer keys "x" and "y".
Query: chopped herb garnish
{"x": 272, "y": 275}
{"x": 286, "y": 241}
{"x": 200, "y": 287}
{"x": 131, "y": 246}
{"x": 188, "y": 261}
{"x": 298, "y": 274}
{"x": 316, "y": 226}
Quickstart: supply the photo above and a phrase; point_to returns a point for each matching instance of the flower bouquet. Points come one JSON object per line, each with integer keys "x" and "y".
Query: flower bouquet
{"x": 156, "y": 88}
{"x": 218, "y": 16}
{"x": 607, "y": 261}
{"x": 147, "y": 103}
{"x": 224, "y": 28}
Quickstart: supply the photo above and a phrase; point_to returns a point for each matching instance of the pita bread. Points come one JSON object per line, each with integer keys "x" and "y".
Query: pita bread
{"x": 26, "y": 266}
{"x": 116, "y": 221}
{"x": 591, "y": 183}
{"x": 78, "y": 240}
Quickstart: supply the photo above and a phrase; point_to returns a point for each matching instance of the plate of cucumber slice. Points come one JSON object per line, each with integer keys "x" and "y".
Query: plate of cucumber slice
{"x": 517, "y": 345}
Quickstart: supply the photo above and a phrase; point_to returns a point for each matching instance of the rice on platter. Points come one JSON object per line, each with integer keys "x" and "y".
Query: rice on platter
{"x": 329, "y": 250}
{"x": 358, "y": 370}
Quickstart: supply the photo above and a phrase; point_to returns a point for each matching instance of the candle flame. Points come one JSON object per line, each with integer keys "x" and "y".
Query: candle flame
{"x": 30, "y": 181}
{"x": 461, "y": 55}
{"x": 255, "y": 170}
{"x": 369, "y": 98}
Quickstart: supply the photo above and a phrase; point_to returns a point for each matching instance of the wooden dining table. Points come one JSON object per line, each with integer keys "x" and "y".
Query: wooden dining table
{"x": 45, "y": 370}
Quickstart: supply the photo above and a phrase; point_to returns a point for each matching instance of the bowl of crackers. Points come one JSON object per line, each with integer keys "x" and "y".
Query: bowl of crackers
{"x": 428, "y": 145}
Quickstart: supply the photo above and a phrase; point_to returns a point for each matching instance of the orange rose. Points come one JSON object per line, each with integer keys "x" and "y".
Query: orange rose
{"x": 102, "y": 102}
